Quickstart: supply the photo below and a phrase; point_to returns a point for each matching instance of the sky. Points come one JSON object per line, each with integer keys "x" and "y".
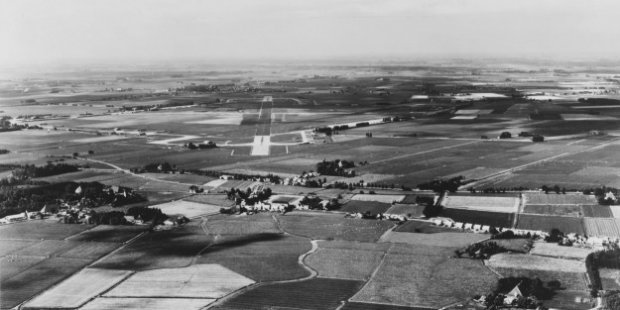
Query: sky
{"x": 43, "y": 31}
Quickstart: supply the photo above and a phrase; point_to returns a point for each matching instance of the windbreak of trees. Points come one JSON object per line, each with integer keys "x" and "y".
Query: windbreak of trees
{"x": 439, "y": 186}
{"x": 147, "y": 214}
{"x": 250, "y": 197}
{"x": 32, "y": 171}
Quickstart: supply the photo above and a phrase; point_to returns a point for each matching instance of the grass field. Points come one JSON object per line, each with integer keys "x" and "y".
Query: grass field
{"x": 555, "y": 250}
{"x": 374, "y": 306}
{"x": 563, "y": 210}
{"x": 495, "y": 219}
{"x": 82, "y": 286}
{"x": 196, "y": 281}
{"x": 211, "y": 199}
{"x": 361, "y": 206}
{"x": 346, "y": 260}
{"x": 379, "y": 198}
{"x": 610, "y": 278}
{"x": 482, "y": 203}
{"x": 547, "y": 223}
{"x": 570, "y": 279}
{"x": 37, "y": 230}
{"x": 318, "y": 293}
{"x": 109, "y": 233}
{"x": 109, "y": 303}
{"x": 434, "y": 280}
{"x": 615, "y": 211}
{"x": 334, "y": 227}
{"x": 609, "y": 227}
{"x": 422, "y": 227}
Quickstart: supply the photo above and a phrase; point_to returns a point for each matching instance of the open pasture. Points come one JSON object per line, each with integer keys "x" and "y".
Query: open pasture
{"x": 354, "y": 261}
{"x": 82, "y": 286}
{"x": 261, "y": 257}
{"x": 548, "y": 222}
{"x": 223, "y": 225}
{"x": 46, "y": 248}
{"x": 109, "y": 233}
{"x": 109, "y": 303}
{"x": 9, "y": 246}
{"x": 211, "y": 199}
{"x": 609, "y": 227}
{"x": 360, "y": 206}
{"x": 195, "y": 281}
{"x": 597, "y": 211}
{"x": 570, "y": 279}
{"x": 318, "y": 293}
{"x": 75, "y": 176}
{"x": 610, "y": 278}
{"x": 333, "y": 227}
{"x": 187, "y": 208}
{"x": 495, "y": 219}
{"x": 375, "y": 306}
{"x": 12, "y": 265}
{"x": 435, "y": 280}
{"x": 482, "y": 203}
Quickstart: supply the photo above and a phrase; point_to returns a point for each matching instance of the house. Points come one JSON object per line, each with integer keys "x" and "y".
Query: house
{"x": 513, "y": 295}
{"x": 15, "y": 218}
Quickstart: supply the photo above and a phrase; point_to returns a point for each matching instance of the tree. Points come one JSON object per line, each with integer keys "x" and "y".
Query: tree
{"x": 76, "y": 154}
{"x": 91, "y": 152}
{"x": 505, "y": 135}
{"x": 538, "y": 138}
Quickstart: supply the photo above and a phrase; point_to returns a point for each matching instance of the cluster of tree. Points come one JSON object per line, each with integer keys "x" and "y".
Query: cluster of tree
{"x": 331, "y": 131}
{"x": 481, "y": 250}
{"x": 6, "y": 125}
{"x": 15, "y": 200}
{"x": 202, "y": 146}
{"x": 147, "y": 214}
{"x": 501, "y": 190}
{"x": 341, "y": 185}
{"x": 555, "y": 188}
{"x": 362, "y": 124}
{"x": 505, "y": 135}
{"x": 610, "y": 300}
{"x": 250, "y": 197}
{"x": 314, "y": 203}
{"x": 109, "y": 218}
{"x": 440, "y": 186}
{"x": 607, "y": 258}
{"x": 369, "y": 135}
{"x": 336, "y": 167}
{"x": 507, "y": 234}
{"x": 200, "y": 88}
{"x": 604, "y": 195}
{"x": 32, "y": 171}
{"x": 4, "y": 151}
{"x": 432, "y": 210}
{"x": 155, "y": 168}
{"x": 167, "y": 168}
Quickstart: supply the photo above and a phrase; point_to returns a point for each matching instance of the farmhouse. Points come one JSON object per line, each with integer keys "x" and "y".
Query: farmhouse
{"x": 15, "y": 218}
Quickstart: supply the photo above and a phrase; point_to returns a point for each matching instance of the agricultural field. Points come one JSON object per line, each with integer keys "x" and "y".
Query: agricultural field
{"x": 558, "y": 199}
{"x": 534, "y": 262}
{"x": 615, "y": 211}
{"x": 562, "y": 210}
{"x": 480, "y": 203}
{"x": 610, "y": 278}
{"x": 346, "y": 260}
{"x": 83, "y": 286}
{"x": 435, "y": 280}
{"x": 407, "y": 210}
{"x": 439, "y": 239}
{"x": 607, "y": 227}
{"x": 597, "y": 211}
{"x": 362, "y": 206}
{"x": 379, "y": 198}
{"x": 495, "y": 219}
{"x": 107, "y": 303}
{"x": 333, "y": 227}
{"x": 187, "y": 208}
{"x": 554, "y": 250}
{"x": 548, "y": 222}
{"x": 316, "y": 294}
{"x": 375, "y": 306}
{"x": 195, "y": 281}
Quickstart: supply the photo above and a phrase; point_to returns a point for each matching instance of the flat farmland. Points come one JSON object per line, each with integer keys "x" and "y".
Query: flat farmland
{"x": 261, "y": 257}
{"x": 563, "y": 210}
{"x": 83, "y": 286}
{"x": 318, "y": 293}
{"x": 10, "y": 246}
{"x": 548, "y": 222}
{"x": 597, "y": 211}
{"x": 187, "y": 208}
{"x": 555, "y": 250}
{"x": 558, "y": 199}
{"x": 570, "y": 280}
{"x": 482, "y": 203}
{"x": 37, "y": 278}
{"x": 375, "y": 306}
{"x": 223, "y": 225}
{"x": 435, "y": 280}
{"x": 109, "y": 233}
{"x": 609, "y": 227}
{"x": 12, "y": 265}
{"x": 37, "y": 230}
{"x": 615, "y": 210}
{"x": 496, "y": 219}
{"x": 211, "y": 199}
{"x": 352, "y": 261}
{"x": 439, "y": 239}
{"x": 195, "y": 281}
{"x": 359, "y": 206}
{"x": 46, "y": 248}
{"x": 160, "y": 249}
{"x": 610, "y": 278}
{"x": 334, "y": 227}
{"x": 534, "y": 262}
{"x": 378, "y": 198}
{"x": 108, "y": 303}
{"x": 407, "y": 210}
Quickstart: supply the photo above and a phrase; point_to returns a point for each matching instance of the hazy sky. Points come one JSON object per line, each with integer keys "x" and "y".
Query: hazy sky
{"x": 38, "y": 31}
